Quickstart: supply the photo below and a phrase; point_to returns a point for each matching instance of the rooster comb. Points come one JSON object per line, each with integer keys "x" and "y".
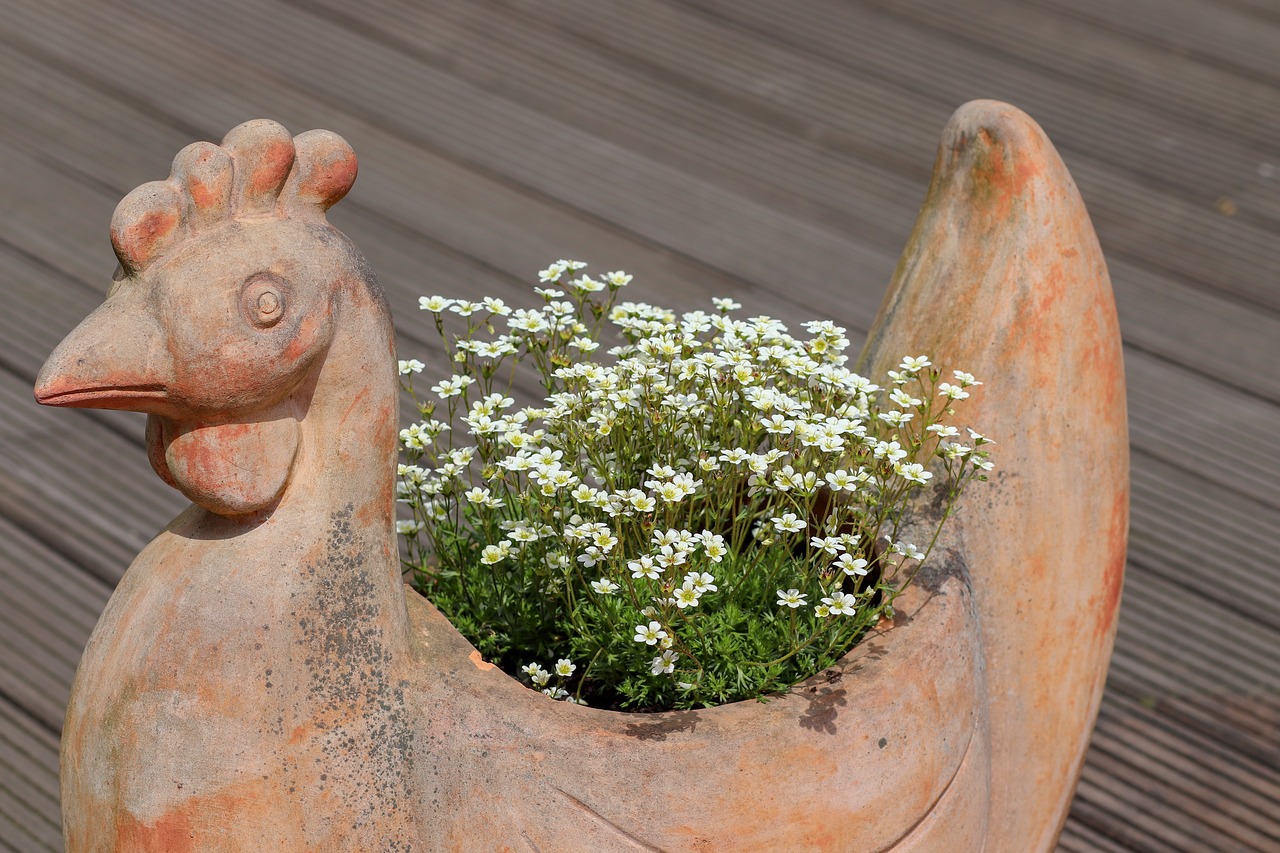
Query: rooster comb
{"x": 258, "y": 172}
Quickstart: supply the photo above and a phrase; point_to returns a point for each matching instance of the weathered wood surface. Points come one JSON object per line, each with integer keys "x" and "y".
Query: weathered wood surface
{"x": 776, "y": 152}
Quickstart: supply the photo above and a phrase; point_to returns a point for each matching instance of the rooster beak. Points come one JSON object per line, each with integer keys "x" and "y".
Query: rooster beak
{"x": 115, "y": 359}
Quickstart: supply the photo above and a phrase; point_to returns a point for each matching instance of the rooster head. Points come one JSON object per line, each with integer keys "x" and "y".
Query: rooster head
{"x": 221, "y": 311}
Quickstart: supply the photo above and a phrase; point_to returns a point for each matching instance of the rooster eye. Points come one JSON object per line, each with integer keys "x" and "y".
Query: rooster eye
{"x": 263, "y": 301}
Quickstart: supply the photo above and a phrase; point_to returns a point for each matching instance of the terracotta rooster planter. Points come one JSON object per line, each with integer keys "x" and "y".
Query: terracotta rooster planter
{"x": 259, "y": 682}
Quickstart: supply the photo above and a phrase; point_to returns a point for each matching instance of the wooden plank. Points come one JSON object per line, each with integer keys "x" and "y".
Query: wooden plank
{"x": 1182, "y": 787}
{"x": 1173, "y": 413}
{"x": 29, "y": 813}
{"x": 649, "y": 32}
{"x": 1241, "y": 43}
{"x": 1148, "y": 228}
{"x": 1208, "y": 535}
{"x": 703, "y": 133}
{"x": 1255, "y": 779}
{"x": 1097, "y": 58}
{"x": 504, "y": 225}
{"x": 1133, "y": 215}
{"x": 1098, "y": 803}
{"x": 49, "y": 609}
{"x": 558, "y": 161}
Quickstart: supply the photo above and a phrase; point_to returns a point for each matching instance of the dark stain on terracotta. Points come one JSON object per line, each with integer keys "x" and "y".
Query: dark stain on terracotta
{"x": 670, "y": 723}
{"x": 360, "y": 713}
{"x": 824, "y": 709}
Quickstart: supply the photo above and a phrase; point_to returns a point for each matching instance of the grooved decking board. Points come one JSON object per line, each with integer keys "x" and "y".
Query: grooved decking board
{"x": 1095, "y": 57}
{"x": 1213, "y": 32}
{"x": 1133, "y": 217}
{"x": 747, "y": 153}
{"x": 29, "y": 815}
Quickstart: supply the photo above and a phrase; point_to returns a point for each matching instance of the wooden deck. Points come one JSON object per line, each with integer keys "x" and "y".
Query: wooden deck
{"x": 772, "y": 151}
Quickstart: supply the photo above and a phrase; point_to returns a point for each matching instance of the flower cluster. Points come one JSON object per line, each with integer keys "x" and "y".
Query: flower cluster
{"x": 710, "y": 511}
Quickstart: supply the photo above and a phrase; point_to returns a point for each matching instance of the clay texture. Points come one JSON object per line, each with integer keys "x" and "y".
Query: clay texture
{"x": 260, "y": 681}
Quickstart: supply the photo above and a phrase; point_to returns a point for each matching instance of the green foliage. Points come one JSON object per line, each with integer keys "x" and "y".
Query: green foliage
{"x": 711, "y": 513}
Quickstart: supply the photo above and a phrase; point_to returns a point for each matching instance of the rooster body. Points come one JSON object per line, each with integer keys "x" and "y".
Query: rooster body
{"x": 259, "y": 680}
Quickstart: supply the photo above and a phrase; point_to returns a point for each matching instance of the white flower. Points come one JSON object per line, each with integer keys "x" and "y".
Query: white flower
{"x": 465, "y": 308}
{"x": 605, "y": 586}
{"x": 792, "y": 598}
{"x": 408, "y": 528}
{"x": 650, "y": 634}
{"x": 553, "y": 272}
{"x": 495, "y": 553}
{"x": 410, "y": 366}
{"x": 841, "y": 604}
{"x": 979, "y": 439}
{"x": 451, "y": 387}
{"x": 664, "y": 663}
{"x": 778, "y": 425}
{"x": 701, "y": 581}
{"x": 587, "y": 284}
{"x": 829, "y": 544}
{"x": 669, "y": 556}
{"x": 851, "y": 565}
{"x": 943, "y": 431}
{"x": 953, "y": 392}
{"x": 789, "y": 523}
{"x": 908, "y": 550}
{"x": 912, "y": 471}
{"x": 435, "y": 304}
{"x": 841, "y": 480}
{"x": 496, "y": 306}
{"x": 617, "y": 278}
{"x": 965, "y": 379}
{"x": 896, "y": 418}
{"x": 713, "y": 546}
{"x": 912, "y": 364}
{"x": 903, "y": 399}
{"x": 522, "y": 533}
{"x": 536, "y": 673}
{"x": 565, "y": 667}
{"x": 477, "y": 495}
{"x": 725, "y": 304}
{"x": 687, "y": 596}
{"x": 645, "y": 567}
{"x": 890, "y": 450}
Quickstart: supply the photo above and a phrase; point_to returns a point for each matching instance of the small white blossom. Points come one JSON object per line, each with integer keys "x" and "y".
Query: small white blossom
{"x": 792, "y": 598}
{"x": 841, "y": 604}
{"x": 650, "y": 634}
{"x": 435, "y": 304}
{"x": 912, "y": 471}
{"x": 664, "y": 663}
{"x": 851, "y": 565}
{"x": 604, "y": 586}
{"x": 789, "y": 523}
{"x": 536, "y": 673}
{"x": 912, "y": 364}
{"x": 687, "y": 596}
{"x": 410, "y": 366}
{"x": 565, "y": 667}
